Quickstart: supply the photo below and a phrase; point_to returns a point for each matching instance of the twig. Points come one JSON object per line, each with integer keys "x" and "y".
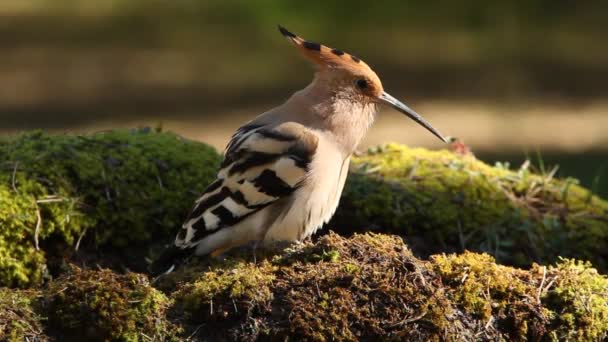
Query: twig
{"x": 489, "y": 322}
{"x": 13, "y": 183}
{"x": 50, "y": 199}
{"x": 318, "y": 290}
{"x": 38, "y": 224}
{"x": 550, "y": 284}
{"x": 160, "y": 182}
{"x": 79, "y": 239}
{"x": 58, "y": 292}
{"x": 408, "y": 320}
{"x": 195, "y": 331}
{"x": 542, "y": 283}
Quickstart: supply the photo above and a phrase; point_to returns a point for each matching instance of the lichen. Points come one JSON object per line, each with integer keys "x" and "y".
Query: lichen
{"x": 18, "y": 319}
{"x": 103, "y": 305}
{"x": 109, "y": 190}
{"x": 444, "y": 202}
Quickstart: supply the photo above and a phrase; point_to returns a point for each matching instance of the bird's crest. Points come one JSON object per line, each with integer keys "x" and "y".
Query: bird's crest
{"x": 325, "y": 56}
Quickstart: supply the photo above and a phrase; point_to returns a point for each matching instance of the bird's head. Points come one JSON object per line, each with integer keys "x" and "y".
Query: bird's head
{"x": 350, "y": 78}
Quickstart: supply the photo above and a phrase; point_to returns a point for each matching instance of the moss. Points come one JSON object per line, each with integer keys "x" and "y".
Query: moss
{"x": 568, "y": 301}
{"x": 112, "y": 189}
{"x": 365, "y": 287}
{"x": 375, "y": 290}
{"x": 579, "y": 300}
{"x": 103, "y": 305}
{"x": 444, "y": 202}
{"x": 118, "y": 195}
{"x": 505, "y": 298}
{"x": 221, "y": 293}
{"x": 18, "y": 320}
{"x": 120, "y": 188}
{"x": 216, "y": 300}
{"x": 371, "y": 286}
{"x": 21, "y": 264}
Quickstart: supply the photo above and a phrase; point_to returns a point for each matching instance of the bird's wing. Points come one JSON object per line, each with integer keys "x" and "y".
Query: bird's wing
{"x": 261, "y": 165}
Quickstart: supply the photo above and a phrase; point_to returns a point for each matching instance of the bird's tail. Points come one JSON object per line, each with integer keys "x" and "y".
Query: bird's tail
{"x": 170, "y": 258}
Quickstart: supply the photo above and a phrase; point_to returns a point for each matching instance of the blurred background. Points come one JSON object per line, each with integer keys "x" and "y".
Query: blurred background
{"x": 514, "y": 80}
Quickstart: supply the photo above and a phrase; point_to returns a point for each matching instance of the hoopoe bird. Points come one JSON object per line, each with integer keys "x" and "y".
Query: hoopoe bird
{"x": 283, "y": 172}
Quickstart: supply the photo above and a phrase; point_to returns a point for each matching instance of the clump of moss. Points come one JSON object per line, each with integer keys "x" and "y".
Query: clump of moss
{"x": 103, "y": 305}
{"x": 371, "y": 286}
{"x": 21, "y": 264}
{"x": 504, "y": 298}
{"x": 568, "y": 301}
{"x": 221, "y": 293}
{"x": 105, "y": 191}
{"x": 578, "y": 299}
{"x": 18, "y": 319}
{"x": 113, "y": 189}
{"x": 444, "y": 202}
{"x": 365, "y": 287}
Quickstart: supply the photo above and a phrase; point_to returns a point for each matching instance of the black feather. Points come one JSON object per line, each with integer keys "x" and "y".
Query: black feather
{"x": 285, "y": 32}
{"x": 312, "y": 46}
{"x": 270, "y": 184}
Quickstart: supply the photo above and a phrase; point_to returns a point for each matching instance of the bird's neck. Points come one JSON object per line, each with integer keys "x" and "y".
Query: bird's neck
{"x": 343, "y": 118}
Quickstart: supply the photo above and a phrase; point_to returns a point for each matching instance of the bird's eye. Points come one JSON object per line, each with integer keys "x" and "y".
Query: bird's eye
{"x": 361, "y": 84}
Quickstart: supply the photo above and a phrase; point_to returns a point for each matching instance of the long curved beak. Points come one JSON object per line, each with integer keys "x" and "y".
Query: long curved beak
{"x": 398, "y": 105}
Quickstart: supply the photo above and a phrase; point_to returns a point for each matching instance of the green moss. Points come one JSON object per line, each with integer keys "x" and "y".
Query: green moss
{"x": 18, "y": 320}
{"x": 132, "y": 188}
{"x": 115, "y": 189}
{"x": 103, "y": 305}
{"x": 568, "y": 301}
{"x": 443, "y": 202}
{"x": 579, "y": 300}
{"x": 333, "y": 289}
{"x": 121, "y": 193}
{"x": 367, "y": 287}
{"x": 504, "y": 297}
{"x": 375, "y": 291}
{"x": 372, "y": 287}
{"x": 224, "y": 292}
{"x": 21, "y": 264}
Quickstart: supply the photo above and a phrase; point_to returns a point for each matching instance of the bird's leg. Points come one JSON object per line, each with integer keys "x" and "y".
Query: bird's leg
{"x": 254, "y": 246}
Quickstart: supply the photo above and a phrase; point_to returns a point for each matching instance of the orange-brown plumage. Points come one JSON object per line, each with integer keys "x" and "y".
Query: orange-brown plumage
{"x": 327, "y": 57}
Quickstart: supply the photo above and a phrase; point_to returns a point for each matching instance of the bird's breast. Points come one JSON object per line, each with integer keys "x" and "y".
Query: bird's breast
{"x": 316, "y": 201}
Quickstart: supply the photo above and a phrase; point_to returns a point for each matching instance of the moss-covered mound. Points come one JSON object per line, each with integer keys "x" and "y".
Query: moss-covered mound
{"x": 371, "y": 287}
{"x": 366, "y": 287}
{"x": 114, "y": 189}
{"x": 102, "y": 305}
{"x": 441, "y": 202}
{"x": 18, "y": 319}
{"x": 102, "y": 192}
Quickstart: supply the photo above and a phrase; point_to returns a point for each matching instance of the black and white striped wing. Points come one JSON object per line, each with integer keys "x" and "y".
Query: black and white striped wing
{"x": 261, "y": 165}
